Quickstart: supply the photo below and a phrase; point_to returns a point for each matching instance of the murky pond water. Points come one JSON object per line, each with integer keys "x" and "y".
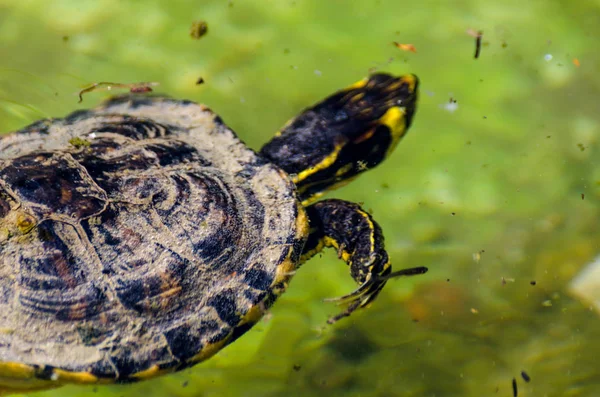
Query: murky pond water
{"x": 496, "y": 188}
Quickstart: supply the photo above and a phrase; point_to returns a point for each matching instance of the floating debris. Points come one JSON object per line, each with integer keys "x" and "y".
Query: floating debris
{"x": 477, "y": 34}
{"x": 576, "y": 62}
{"x": 582, "y": 196}
{"x": 478, "y": 44}
{"x": 198, "y": 29}
{"x": 133, "y": 87}
{"x": 525, "y": 377}
{"x": 141, "y": 88}
{"x": 200, "y": 81}
{"x": 548, "y": 57}
{"x": 406, "y": 47}
{"x": 533, "y": 282}
{"x": 514, "y": 387}
{"x": 451, "y": 106}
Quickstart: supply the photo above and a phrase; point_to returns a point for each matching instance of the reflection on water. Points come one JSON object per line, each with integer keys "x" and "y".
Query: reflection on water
{"x": 495, "y": 189}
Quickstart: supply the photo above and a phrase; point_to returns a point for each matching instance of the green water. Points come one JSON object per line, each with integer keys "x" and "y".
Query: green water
{"x": 489, "y": 192}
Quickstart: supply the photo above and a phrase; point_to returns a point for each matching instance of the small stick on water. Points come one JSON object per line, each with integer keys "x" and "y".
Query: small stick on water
{"x": 515, "y": 390}
{"x": 133, "y": 87}
{"x": 477, "y": 34}
{"x": 478, "y": 44}
{"x": 525, "y": 377}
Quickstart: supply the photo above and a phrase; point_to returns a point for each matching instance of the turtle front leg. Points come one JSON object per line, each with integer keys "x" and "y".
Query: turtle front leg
{"x": 358, "y": 239}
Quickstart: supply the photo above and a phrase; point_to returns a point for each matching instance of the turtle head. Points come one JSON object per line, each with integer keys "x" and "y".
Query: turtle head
{"x": 346, "y": 134}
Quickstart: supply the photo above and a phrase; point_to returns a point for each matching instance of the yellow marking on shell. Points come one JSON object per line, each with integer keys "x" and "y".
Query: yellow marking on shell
{"x": 151, "y": 372}
{"x": 254, "y": 314}
{"x": 209, "y": 351}
{"x": 16, "y": 370}
{"x": 286, "y": 269}
{"x": 324, "y": 164}
{"x": 63, "y": 376}
{"x": 302, "y": 225}
{"x": 19, "y": 378}
{"x": 283, "y": 273}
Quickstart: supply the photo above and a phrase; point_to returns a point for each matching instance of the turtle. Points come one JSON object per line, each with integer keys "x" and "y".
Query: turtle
{"x": 142, "y": 236}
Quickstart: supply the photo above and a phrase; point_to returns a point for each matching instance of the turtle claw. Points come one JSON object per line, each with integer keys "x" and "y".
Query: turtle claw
{"x": 352, "y": 296}
{"x": 367, "y": 291}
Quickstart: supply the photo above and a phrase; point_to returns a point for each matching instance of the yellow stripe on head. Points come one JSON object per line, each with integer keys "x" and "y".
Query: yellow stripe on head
{"x": 394, "y": 119}
{"x": 411, "y": 80}
{"x": 325, "y": 163}
{"x": 359, "y": 84}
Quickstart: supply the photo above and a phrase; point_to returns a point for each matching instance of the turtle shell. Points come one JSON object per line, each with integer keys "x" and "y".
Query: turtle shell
{"x": 136, "y": 238}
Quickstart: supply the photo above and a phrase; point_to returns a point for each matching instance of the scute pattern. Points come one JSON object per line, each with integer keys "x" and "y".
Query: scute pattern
{"x": 153, "y": 235}
{"x": 53, "y": 185}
